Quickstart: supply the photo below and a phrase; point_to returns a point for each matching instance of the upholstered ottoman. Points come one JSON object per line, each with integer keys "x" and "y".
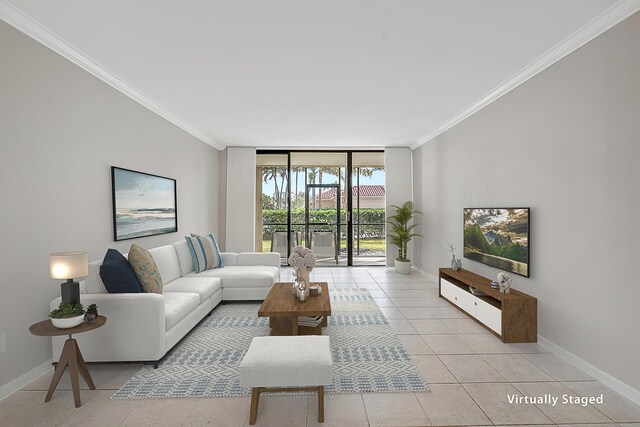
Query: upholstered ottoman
{"x": 287, "y": 363}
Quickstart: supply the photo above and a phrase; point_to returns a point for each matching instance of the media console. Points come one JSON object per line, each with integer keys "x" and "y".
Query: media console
{"x": 513, "y": 317}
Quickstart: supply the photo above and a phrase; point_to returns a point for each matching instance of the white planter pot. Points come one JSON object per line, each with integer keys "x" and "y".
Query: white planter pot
{"x": 69, "y": 322}
{"x": 403, "y": 267}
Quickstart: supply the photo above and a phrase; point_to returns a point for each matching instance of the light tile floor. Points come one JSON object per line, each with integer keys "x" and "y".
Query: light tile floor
{"x": 470, "y": 371}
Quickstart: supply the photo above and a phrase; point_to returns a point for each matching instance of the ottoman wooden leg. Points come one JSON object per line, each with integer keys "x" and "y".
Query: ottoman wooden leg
{"x": 321, "y": 404}
{"x": 255, "y": 399}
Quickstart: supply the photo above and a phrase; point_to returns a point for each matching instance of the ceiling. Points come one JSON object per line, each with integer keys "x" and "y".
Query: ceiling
{"x": 300, "y": 73}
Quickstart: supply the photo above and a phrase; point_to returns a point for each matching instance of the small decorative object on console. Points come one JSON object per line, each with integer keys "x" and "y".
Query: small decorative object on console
{"x": 494, "y": 284}
{"x": 504, "y": 282}
{"x": 455, "y": 264}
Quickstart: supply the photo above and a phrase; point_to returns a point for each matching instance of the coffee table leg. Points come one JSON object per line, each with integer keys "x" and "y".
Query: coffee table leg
{"x": 62, "y": 364}
{"x": 294, "y": 325}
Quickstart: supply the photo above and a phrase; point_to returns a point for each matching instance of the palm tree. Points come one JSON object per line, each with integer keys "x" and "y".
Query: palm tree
{"x": 296, "y": 170}
{"x": 269, "y": 173}
{"x": 311, "y": 178}
{"x": 282, "y": 172}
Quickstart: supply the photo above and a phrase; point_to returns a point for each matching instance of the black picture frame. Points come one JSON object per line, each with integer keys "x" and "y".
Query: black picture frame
{"x": 143, "y": 204}
{"x": 509, "y": 264}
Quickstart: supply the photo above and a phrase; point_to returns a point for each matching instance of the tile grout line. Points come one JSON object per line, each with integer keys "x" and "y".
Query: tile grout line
{"x": 364, "y": 406}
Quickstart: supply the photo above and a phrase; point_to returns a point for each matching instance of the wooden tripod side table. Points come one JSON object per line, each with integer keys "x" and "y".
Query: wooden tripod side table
{"x": 70, "y": 355}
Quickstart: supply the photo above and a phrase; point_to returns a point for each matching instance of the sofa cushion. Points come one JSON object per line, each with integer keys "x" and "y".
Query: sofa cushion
{"x": 117, "y": 275}
{"x": 167, "y": 262}
{"x": 204, "y": 252}
{"x": 246, "y": 276}
{"x": 177, "y": 305}
{"x": 146, "y": 270}
{"x": 258, "y": 258}
{"x": 184, "y": 257}
{"x": 205, "y": 287}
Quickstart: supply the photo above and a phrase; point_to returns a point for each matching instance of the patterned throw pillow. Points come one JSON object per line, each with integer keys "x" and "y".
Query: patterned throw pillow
{"x": 146, "y": 269}
{"x": 204, "y": 251}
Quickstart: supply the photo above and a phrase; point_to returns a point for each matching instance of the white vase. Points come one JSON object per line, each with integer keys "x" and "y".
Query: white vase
{"x": 403, "y": 267}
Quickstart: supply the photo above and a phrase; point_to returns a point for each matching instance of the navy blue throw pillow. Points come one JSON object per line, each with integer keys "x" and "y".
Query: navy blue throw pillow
{"x": 118, "y": 275}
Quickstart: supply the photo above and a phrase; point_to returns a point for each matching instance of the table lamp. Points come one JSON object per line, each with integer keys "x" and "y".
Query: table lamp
{"x": 69, "y": 265}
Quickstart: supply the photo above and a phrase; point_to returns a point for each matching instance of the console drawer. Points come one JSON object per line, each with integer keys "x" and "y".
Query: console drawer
{"x": 489, "y": 315}
{"x": 448, "y": 290}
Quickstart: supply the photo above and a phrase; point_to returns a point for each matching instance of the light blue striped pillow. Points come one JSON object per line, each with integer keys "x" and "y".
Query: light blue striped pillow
{"x": 204, "y": 252}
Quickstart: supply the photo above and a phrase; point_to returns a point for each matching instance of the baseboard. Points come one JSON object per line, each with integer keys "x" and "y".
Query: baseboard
{"x": 23, "y": 380}
{"x": 424, "y": 273}
{"x": 624, "y": 389}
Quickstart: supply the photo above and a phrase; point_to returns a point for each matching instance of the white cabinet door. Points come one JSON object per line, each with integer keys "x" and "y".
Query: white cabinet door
{"x": 483, "y": 311}
{"x": 466, "y": 301}
{"x": 489, "y": 315}
{"x": 448, "y": 290}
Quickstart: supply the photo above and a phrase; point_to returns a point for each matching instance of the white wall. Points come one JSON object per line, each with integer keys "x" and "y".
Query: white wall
{"x": 397, "y": 165}
{"x": 241, "y": 199}
{"x": 60, "y": 131}
{"x": 567, "y": 144}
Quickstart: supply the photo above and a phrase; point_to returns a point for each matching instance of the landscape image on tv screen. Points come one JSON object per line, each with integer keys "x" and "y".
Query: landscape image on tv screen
{"x": 498, "y": 237}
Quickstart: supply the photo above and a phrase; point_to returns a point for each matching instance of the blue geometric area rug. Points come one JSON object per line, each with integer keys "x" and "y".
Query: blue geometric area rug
{"x": 367, "y": 356}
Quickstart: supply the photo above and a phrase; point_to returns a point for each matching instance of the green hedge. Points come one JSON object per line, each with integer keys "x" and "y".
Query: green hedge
{"x": 375, "y": 216}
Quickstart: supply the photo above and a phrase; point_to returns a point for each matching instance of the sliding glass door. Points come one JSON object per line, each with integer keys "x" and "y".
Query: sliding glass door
{"x": 368, "y": 210}
{"x": 322, "y": 224}
{"x": 331, "y": 202}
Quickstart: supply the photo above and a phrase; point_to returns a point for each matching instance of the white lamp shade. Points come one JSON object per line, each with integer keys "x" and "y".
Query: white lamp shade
{"x": 68, "y": 265}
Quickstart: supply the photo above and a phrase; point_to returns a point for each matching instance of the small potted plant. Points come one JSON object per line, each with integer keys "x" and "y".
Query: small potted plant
{"x": 92, "y": 313}
{"x": 401, "y": 234}
{"x": 67, "y": 315}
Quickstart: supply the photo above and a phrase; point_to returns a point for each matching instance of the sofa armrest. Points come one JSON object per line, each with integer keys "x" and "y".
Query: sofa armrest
{"x": 135, "y": 328}
{"x": 259, "y": 258}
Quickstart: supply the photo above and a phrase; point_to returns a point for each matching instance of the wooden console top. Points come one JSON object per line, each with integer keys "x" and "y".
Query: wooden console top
{"x": 483, "y": 284}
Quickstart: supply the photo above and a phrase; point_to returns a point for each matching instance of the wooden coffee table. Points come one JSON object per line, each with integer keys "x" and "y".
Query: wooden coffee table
{"x": 283, "y": 309}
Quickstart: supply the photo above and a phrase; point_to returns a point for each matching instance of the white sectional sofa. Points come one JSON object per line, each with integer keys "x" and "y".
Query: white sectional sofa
{"x": 145, "y": 326}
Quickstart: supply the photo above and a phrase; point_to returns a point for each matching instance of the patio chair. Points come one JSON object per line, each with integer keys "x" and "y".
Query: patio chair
{"x": 279, "y": 242}
{"x": 323, "y": 244}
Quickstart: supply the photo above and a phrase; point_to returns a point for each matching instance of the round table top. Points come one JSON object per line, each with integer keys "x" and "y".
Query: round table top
{"x": 46, "y": 328}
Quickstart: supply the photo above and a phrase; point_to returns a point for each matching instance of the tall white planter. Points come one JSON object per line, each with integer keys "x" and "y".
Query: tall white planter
{"x": 403, "y": 267}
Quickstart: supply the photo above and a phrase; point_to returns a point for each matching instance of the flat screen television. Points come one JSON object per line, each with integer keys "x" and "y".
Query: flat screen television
{"x": 498, "y": 237}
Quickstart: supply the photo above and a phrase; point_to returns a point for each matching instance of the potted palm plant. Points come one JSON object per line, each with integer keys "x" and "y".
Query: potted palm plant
{"x": 401, "y": 233}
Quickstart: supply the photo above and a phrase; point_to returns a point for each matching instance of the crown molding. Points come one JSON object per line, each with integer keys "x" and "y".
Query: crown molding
{"x": 606, "y": 20}
{"x": 27, "y": 25}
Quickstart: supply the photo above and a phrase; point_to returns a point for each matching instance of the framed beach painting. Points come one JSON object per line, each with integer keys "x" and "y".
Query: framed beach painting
{"x": 143, "y": 204}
